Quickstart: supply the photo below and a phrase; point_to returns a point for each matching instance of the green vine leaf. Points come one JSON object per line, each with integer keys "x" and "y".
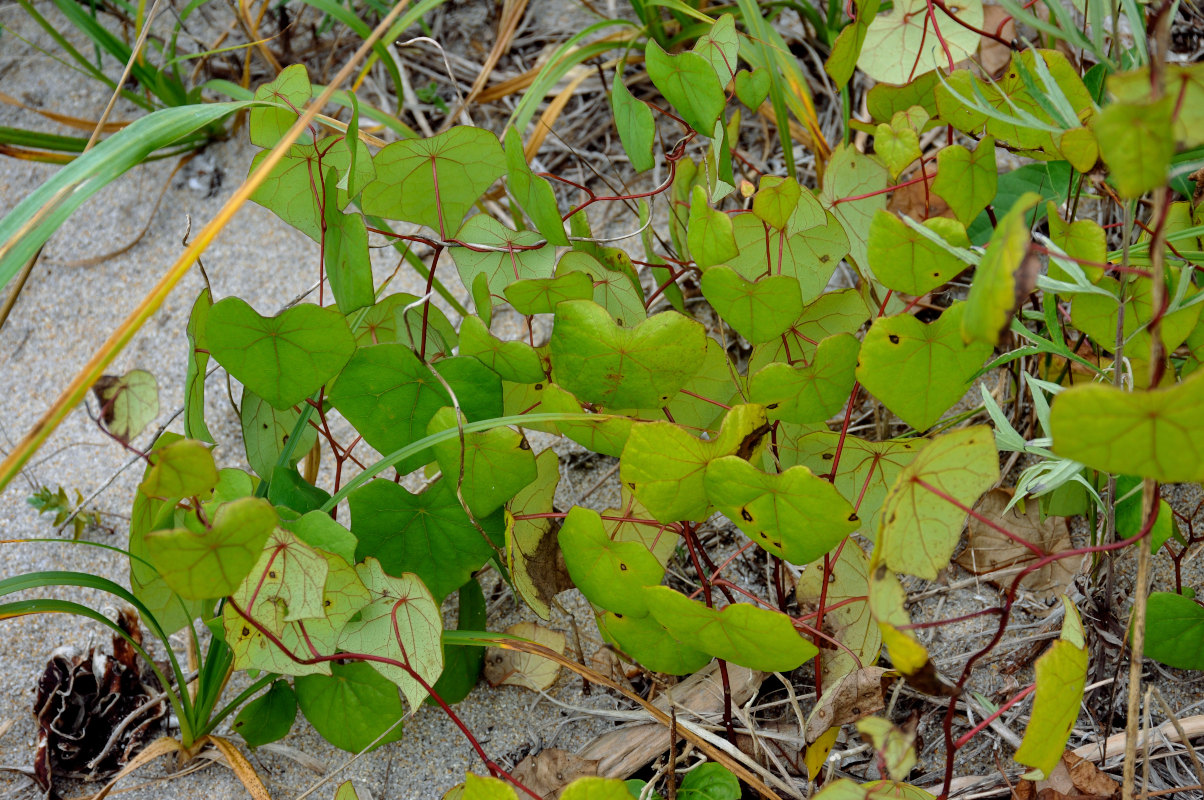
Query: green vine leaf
{"x": 904, "y": 260}
{"x": 609, "y": 573}
{"x": 533, "y": 193}
{"x": 996, "y": 293}
{"x": 434, "y": 182}
{"x": 1082, "y": 239}
{"x": 397, "y": 319}
{"x": 291, "y": 88}
{"x": 613, "y": 289}
{"x": 1061, "y": 677}
{"x": 650, "y": 644}
{"x": 128, "y": 404}
{"x": 633, "y": 120}
{"x": 925, "y": 511}
{"x": 852, "y": 623}
{"x": 181, "y": 469}
{"x": 532, "y": 553}
{"x": 641, "y": 367}
{"x": 541, "y": 295}
{"x": 402, "y": 623}
{"x": 759, "y": 311}
{"x": 666, "y": 466}
{"x": 743, "y": 634}
{"x": 265, "y": 432}
{"x": 352, "y": 707}
{"x": 919, "y": 371}
{"x": 508, "y": 259}
{"x": 689, "y": 84}
{"x": 198, "y": 363}
{"x": 709, "y": 232}
{"x": 1137, "y": 143}
{"x": 211, "y": 563}
{"x": 812, "y": 392}
{"x": 898, "y": 143}
{"x": 268, "y": 717}
{"x": 967, "y": 180}
{"x": 719, "y": 46}
{"x": 283, "y": 359}
{"x": 1175, "y": 631}
{"x": 776, "y": 199}
{"x": 345, "y": 256}
{"x": 288, "y": 190}
{"x": 753, "y": 87}
{"x": 1155, "y": 434}
{"x": 496, "y": 463}
{"x": 792, "y": 514}
{"x": 848, "y": 45}
{"x": 851, "y": 174}
{"x": 427, "y": 534}
{"x": 901, "y": 45}
{"x": 512, "y": 361}
{"x": 596, "y": 789}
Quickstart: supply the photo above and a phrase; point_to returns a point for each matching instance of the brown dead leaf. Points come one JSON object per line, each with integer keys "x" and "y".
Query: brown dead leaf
{"x": 918, "y": 200}
{"x": 547, "y": 772}
{"x": 509, "y": 667}
{"x": 988, "y": 550}
{"x": 855, "y": 696}
{"x": 994, "y": 56}
{"x": 1073, "y": 777}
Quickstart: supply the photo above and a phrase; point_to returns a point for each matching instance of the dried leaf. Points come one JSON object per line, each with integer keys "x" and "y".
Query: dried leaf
{"x": 547, "y": 772}
{"x": 855, "y": 696}
{"x": 993, "y": 56}
{"x": 1073, "y": 777}
{"x": 989, "y": 550}
{"x": 508, "y": 667}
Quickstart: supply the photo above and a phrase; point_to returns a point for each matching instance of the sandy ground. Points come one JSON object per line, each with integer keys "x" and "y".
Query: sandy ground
{"x": 62, "y": 316}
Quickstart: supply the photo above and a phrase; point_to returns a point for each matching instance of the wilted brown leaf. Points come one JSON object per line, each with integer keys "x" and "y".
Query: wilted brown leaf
{"x": 988, "y": 550}
{"x": 509, "y": 667}
{"x": 918, "y": 201}
{"x": 855, "y": 696}
{"x": 993, "y": 56}
{"x": 1073, "y": 777}
{"x": 549, "y": 771}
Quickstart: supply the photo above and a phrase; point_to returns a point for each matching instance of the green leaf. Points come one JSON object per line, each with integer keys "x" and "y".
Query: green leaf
{"x": 345, "y": 257}
{"x": 435, "y": 181}
{"x": 505, "y": 260}
{"x": 666, "y": 466}
{"x": 531, "y": 548}
{"x": 811, "y": 392}
{"x": 833, "y": 313}
{"x": 1183, "y": 82}
{"x": 743, "y": 634}
{"x": 641, "y": 367}
{"x": 710, "y": 232}
{"x": 753, "y": 87}
{"x": 290, "y": 88}
{"x": 792, "y": 514}
{"x": 1175, "y": 630}
{"x": 533, "y": 193}
{"x": 866, "y": 471}
{"x": 612, "y": 288}
{"x": 715, "y": 381}
{"x": 283, "y": 359}
{"x": 609, "y": 573}
{"x": 776, "y": 199}
{"x": 427, "y": 534}
{"x": 293, "y": 190}
{"x": 846, "y": 581}
{"x": 919, "y": 371}
{"x": 847, "y": 48}
{"x": 720, "y": 46}
{"x": 633, "y": 119}
{"x": 1153, "y": 434}
{"x": 926, "y": 509}
{"x": 1136, "y": 143}
{"x": 884, "y": 100}
{"x": 351, "y": 707}
{"x": 265, "y": 432}
{"x": 290, "y": 575}
{"x": 649, "y": 643}
{"x": 390, "y": 396}
{"x": 513, "y": 361}
{"x": 595, "y": 789}
{"x": 495, "y": 464}
{"x": 808, "y": 248}
{"x": 1083, "y": 240}
{"x": 478, "y": 788}
{"x": 319, "y": 531}
{"x": 462, "y": 665}
{"x": 898, "y": 143}
{"x": 268, "y": 717}
{"x": 288, "y": 489}
{"x": 541, "y": 295}
{"x": 383, "y": 323}
{"x": 759, "y": 311}
{"x": 180, "y": 469}
{"x": 1061, "y": 677}
{"x": 199, "y": 566}
{"x": 995, "y": 293}
{"x": 346, "y": 790}
{"x": 904, "y": 260}
{"x": 128, "y": 403}
{"x": 44, "y": 210}
{"x": 198, "y": 363}
{"x": 689, "y": 84}
{"x": 967, "y": 180}
{"x": 401, "y": 623}
{"x": 709, "y": 781}
{"x": 845, "y": 789}
{"x": 851, "y": 174}
{"x": 901, "y": 45}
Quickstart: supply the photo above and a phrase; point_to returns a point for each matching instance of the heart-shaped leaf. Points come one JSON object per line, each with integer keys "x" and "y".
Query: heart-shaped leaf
{"x": 792, "y": 514}
{"x": 283, "y": 359}
{"x": 127, "y": 403}
{"x": 923, "y": 516}
{"x": 919, "y": 371}
{"x": 634, "y": 121}
{"x": 265, "y": 432}
{"x": 505, "y": 256}
{"x": 541, "y": 295}
{"x": 649, "y": 643}
{"x": 710, "y": 232}
{"x": 641, "y": 367}
{"x": 810, "y": 392}
{"x": 997, "y": 290}
{"x": 967, "y": 180}
{"x": 532, "y": 192}
{"x": 904, "y": 260}
{"x": 434, "y": 181}
{"x": 609, "y": 573}
{"x": 213, "y": 562}
{"x": 495, "y": 464}
{"x": 1175, "y": 630}
{"x": 759, "y": 311}
{"x": 354, "y": 708}
{"x": 901, "y": 45}
{"x": 688, "y": 82}
{"x": 753, "y": 87}
{"x": 181, "y": 469}
{"x": 513, "y": 361}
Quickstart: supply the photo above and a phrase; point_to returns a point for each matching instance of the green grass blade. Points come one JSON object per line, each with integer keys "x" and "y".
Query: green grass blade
{"x": 27, "y": 227}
